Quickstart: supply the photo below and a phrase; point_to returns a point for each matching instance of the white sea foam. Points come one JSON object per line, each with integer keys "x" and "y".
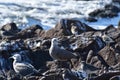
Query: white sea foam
{"x": 47, "y": 13}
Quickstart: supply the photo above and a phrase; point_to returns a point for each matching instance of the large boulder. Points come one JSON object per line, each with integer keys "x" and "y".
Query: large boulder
{"x": 116, "y": 1}
{"x": 109, "y": 10}
{"x": 108, "y": 54}
{"x": 112, "y": 8}
{"x": 8, "y": 30}
{"x": 10, "y": 27}
{"x": 30, "y": 32}
{"x": 63, "y": 28}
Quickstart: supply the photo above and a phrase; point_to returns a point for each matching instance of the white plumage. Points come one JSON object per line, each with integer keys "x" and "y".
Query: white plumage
{"x": 58, "y": 53}
{"x": 74, "y": 29}
{"x": 22, "y": 68}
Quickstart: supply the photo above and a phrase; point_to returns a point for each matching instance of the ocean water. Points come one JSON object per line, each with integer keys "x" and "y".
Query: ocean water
{"x": 48, "y": 12}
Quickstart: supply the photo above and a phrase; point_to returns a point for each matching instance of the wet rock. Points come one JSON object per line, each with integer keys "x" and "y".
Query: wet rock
{"x": 112, "y": 8}
{"x": 62, "y": 74}
{"x": 63, "y": 28}
{"x": 2, "y": 75}
{"x": 72, "y": 75}
{"x": 117, "y": 1}
{"x": 108, "y": 55}
{"x": 96, "y": 12}
{"x": 109, "y": 10}
{"x": 110, "y": 28}
{"x": 9, "y": 30}
{"x": 95, "y": 59}
{"x": 30, "y": 32}
{"x": 106, "y": 76}
{"x": 57, "y": 64}
{"x": 112, "y": 32}
{"x": 87, "y": 44}
{"x": 53, "y": 33}
{"x": 115, "y": 78}
{"x": 39, "y": 58}
{"x": 11, "y": 75}
{"x": 2, "y": 78}
{"x": 106, "y": 14}
{"x": 116, "y": 67}
{"x": 53, "y": 74}
{"x": 33, "y": 43}
{"x": 10, "y": 27}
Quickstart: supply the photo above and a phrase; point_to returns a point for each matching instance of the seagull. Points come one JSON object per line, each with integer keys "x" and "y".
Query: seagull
{"x": 74, "y": 29}
{"x": 88, "y": 68}
{"x": 22, "y": 68}
{"x": 60, "y": 54}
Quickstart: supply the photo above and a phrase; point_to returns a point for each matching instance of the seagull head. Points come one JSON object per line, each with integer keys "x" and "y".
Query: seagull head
{"x": 54, "y": 41}
{"x": 16, "y": 57}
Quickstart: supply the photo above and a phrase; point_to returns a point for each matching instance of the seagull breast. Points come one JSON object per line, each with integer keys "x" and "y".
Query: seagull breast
{"x": 23, "y": 68}
{"x": 20, "y": 67}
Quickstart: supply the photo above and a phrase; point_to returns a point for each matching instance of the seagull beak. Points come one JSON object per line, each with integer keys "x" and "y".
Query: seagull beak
{"x": 11, "y": 57}
{"x": 58, "y": 40}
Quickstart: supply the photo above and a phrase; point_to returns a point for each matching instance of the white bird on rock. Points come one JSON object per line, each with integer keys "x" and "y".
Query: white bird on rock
{"x": 60, "y": 54}
{"x": 74, "y": 29}
{"x": 22, "y": 68}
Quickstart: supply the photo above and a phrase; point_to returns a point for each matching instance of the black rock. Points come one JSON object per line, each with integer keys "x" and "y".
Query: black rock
{"x": 112, "y": 8}
{"x": 10, "y": 27}
{"x": 91, "y": 19}
{"x": 95, "y": 12}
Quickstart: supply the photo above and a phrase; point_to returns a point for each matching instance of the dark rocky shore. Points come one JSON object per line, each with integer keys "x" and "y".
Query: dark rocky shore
{"x": 33, "y": 45}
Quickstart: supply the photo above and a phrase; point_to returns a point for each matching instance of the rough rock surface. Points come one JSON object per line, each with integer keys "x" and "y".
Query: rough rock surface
{"x": 33, "y": 44}
{"x": 108, "y": 11}
{"x": 9, "y": 30}
{"x": 63, "y": 28}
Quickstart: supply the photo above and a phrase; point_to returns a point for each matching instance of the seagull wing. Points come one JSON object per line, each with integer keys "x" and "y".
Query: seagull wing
{"x": 64, "y": 54}
{"x": 24, "y": 68}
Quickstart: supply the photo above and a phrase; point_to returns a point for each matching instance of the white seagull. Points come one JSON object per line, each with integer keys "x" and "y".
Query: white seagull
{"x": 22, "y": 68}
{"x": 74, "y": 29}
{"x": 58, "y": 53}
